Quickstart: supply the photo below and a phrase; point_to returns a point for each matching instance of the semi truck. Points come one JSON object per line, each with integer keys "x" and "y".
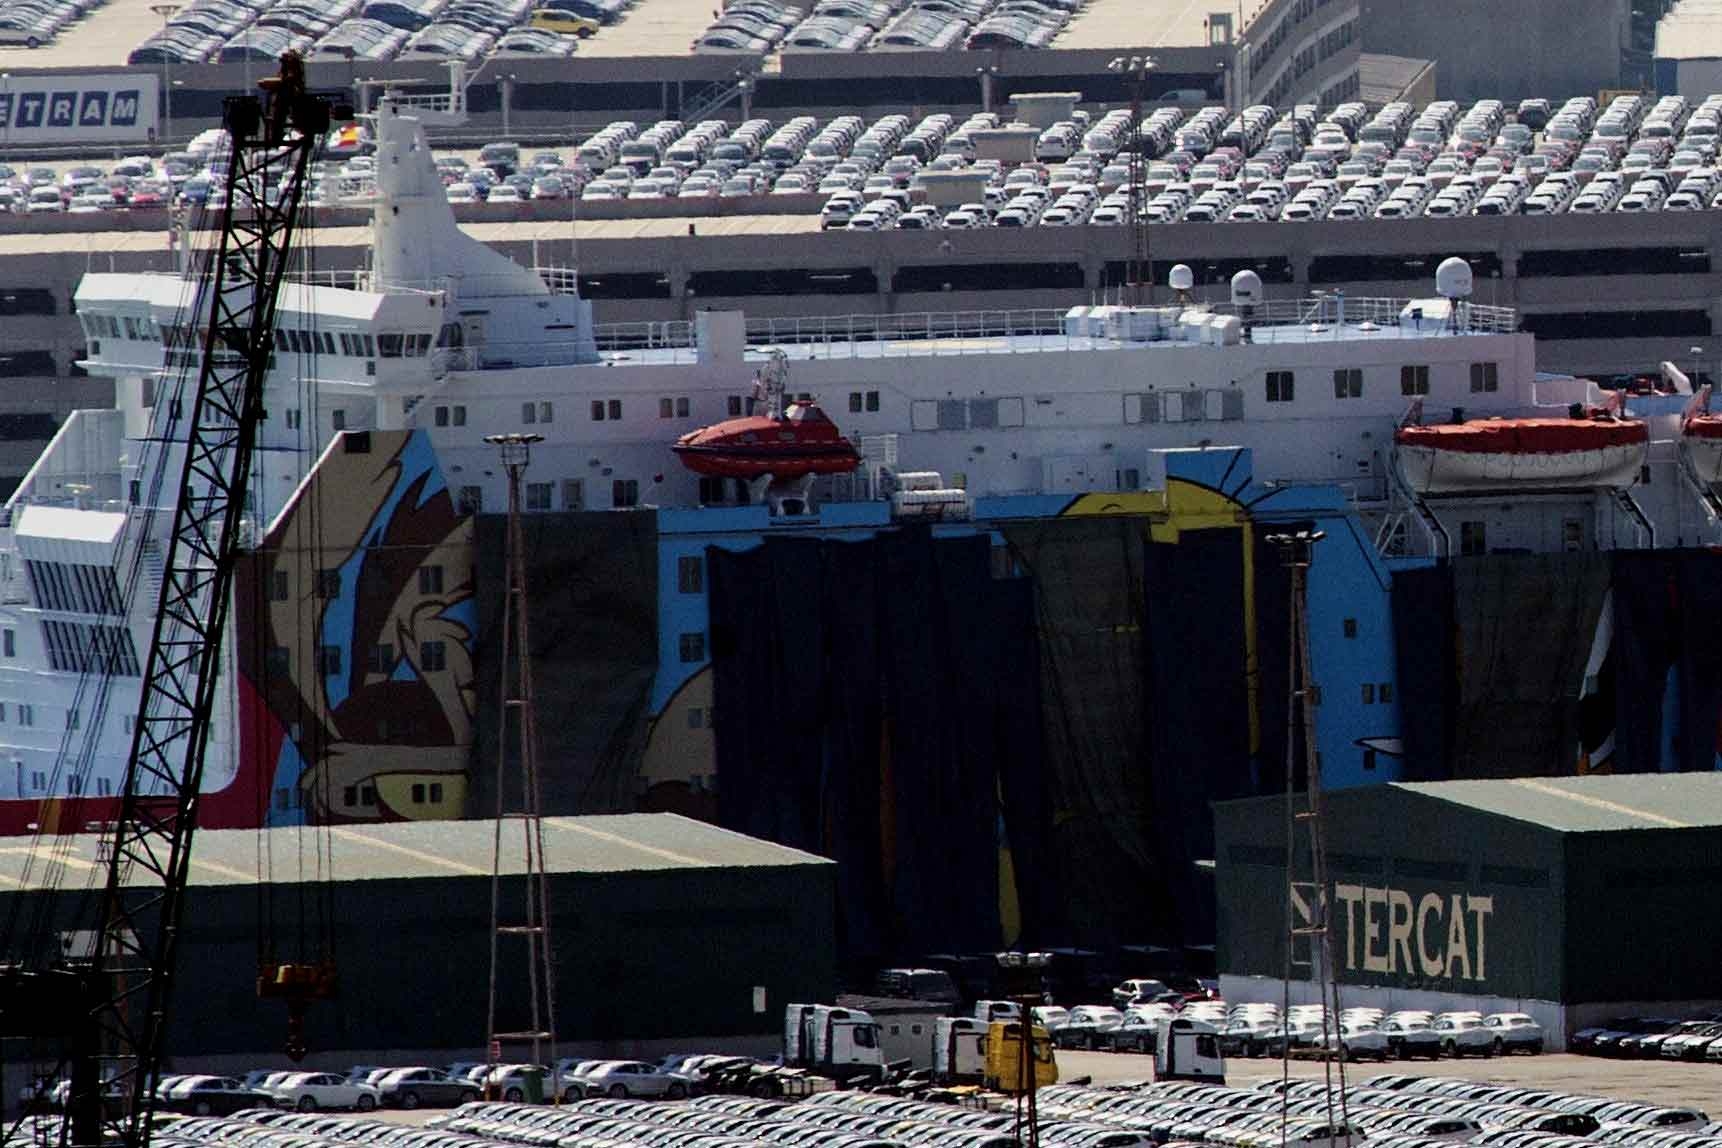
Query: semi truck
{"x": 842, "y": 1043}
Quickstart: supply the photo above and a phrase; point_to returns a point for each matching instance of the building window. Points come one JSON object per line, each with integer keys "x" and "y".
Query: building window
{"x": 1572, "y": 534}
{"x": 338, "y": 418}
{"x": 1348, "y": 383}
{"x": 433, "y": 656}
{"x": 1413, "y": 380}
{"x": 1350, "y": 626}
{"x": 625, "y": 492}
{"x": 38, "y": 780}
{"x": 9, "y": 642}
{"x": 292, "y": 418}
{"x": 666, "y": 408}
{"x": 573, "y": 494}
{"x": 1473, "y": 539}
{"x": 615, "y": 409}
{"x": 1368, "y": 693}
{"x": 690, "y": 574}
{"x": 276, "y": 662}
{"x": 538, "y": 495}
{"x": 693, "y": 647}
{"x": 329, "y": 661}
{"x": 382, "y": 659}
{"x": 441, "y": 421}
{"x": 279, "y": 588}
{"x": 528, "y": 414}
{"x": 26, "y": 714}
{"x": 350, "y": 796}
{"x": 460, "y": 416}
{"x": 418, "y": 793}
{"x": 696, "y": 717}
{"x": 436, "y": 793}
{"x": 74, "y": 784}
{"x": 367, "y": 795}
{"x": 1384, "y": 692}
{"x": 471, "y": 500}
{"x": 872, "y": 400}
{"x": 597, "y": 410}
{"x": 546, "y": 412}
{"x": 328, "y": 583}
{"x": 430, "y": 579}
{"x": 1369, "y": 760}
{"x": 854, "y": 402}
{"x": 683, "y": 408}
{"x": 1280, "y": 386}
{"x": 1485, "y": 377}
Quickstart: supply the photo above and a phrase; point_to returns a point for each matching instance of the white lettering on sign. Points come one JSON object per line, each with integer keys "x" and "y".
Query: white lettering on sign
{"x": 1432, "y": 935}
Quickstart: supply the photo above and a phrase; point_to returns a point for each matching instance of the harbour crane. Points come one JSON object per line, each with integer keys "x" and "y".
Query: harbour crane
{"x": 108, "y": 1007}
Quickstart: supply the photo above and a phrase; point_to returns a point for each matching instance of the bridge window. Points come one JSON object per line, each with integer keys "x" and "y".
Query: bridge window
{"x": 1485, "y": 378}
{"x": 1413, "y": 380}
{"x": 1281, "y": 386}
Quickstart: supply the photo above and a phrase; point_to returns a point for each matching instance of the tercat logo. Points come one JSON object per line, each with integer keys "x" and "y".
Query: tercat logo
{"x": 1435, "y": 935}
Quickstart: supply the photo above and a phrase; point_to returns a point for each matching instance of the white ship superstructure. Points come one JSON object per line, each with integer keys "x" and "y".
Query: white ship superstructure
{"x": 444, "y": 336}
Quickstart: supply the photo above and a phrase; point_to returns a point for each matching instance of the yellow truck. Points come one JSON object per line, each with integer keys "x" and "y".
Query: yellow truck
{"x": 1003, "y": 1051}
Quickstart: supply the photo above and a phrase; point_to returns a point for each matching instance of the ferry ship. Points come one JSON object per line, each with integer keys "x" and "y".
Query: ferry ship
{"x": 1078, "y": 507}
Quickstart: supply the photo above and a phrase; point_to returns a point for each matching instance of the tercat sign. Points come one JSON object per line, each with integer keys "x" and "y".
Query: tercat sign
{"x": 1432, "y": 936}
{"x": 111, "y": 107}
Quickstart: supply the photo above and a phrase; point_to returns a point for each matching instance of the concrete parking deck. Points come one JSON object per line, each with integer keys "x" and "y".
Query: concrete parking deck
{"x": 102, "y": 39}
{"x": 653, "y": 28}
{"x": 1139, "y": 24}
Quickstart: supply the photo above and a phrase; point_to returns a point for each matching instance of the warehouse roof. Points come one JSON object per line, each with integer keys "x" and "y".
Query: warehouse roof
{"x": 1692, "y": 30}
{"x": 1590, "y": 804}
{"x": 624, "y": 843}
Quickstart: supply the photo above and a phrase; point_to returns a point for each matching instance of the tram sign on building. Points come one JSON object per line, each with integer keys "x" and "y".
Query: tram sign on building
{"x": 78, "y": 107}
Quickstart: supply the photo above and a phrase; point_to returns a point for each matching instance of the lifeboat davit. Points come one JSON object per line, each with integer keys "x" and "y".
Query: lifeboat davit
{"x": 1701, "y": 440}
{"x": 1597, "y": 448}
{"x": 786, "y": 442}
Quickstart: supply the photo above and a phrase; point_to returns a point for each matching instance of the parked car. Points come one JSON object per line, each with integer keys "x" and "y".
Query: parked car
{"x": 425, "y": 1087}
{"x": 1359, "y": 1042}
{"x": 1463, "y": 1036}
{"x": 1410, "y": 1037}
{"x": 211, "y": 1096}
{"x": 1514, "y": 1032}
{"x": 623, "y": 1079}
{"x": 309, "y": 1091}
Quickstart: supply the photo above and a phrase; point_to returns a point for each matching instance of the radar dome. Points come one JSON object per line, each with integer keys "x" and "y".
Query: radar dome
{"x": 1246, "y": 289}
{"x": 1453, "y": 278}
{"x": 1182, "y": 278}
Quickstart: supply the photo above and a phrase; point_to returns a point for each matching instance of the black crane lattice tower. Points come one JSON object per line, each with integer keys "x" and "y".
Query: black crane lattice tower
{"x": 517, "y": 719}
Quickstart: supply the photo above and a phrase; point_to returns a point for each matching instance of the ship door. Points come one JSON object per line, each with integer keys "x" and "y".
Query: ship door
{"x": 472, "y": 328}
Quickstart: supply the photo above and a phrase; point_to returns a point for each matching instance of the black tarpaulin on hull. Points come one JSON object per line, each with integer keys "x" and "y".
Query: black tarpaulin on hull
{"x": 1423, "y": 644}
{"x": 1667, "y": 617}
{"x": 868, "y": 697}
{"x": 1524, "y": 628}
{"x": 1199, "y": 737}
{"x": 592, "y": 594}
{"x": 1091, "y": 633}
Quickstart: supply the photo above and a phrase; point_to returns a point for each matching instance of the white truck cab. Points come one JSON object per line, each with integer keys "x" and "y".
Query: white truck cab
{"x": 959, "y": 1051}
{"x": 840, "y": 1042}
{"x": 1188, "y": 1049}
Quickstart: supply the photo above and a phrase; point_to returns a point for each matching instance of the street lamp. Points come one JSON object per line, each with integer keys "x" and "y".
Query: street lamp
{"x": 986, "y": 72}
{"x": 167, "y": 13}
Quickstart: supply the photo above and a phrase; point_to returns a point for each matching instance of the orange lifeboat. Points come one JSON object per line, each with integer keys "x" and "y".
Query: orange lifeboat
{"x": 1594, "y": 448}
{"x": 786, "y": 443}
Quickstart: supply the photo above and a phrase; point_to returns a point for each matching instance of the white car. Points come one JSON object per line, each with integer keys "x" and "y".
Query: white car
{"x": 622, "y": 1079}
{"x": 1514, "y": 1032}
{"x": 310, "y": 1091}
{"x": 1359, "y": 1042}
{"x": 1411, "y": 1036}
{"x": 1463, "y": 1036}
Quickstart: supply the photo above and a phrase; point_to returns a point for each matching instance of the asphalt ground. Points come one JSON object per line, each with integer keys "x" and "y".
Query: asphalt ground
{"x": 1671, "y": 1083}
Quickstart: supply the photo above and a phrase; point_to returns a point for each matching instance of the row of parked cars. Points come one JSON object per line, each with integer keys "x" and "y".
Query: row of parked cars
{"x": 1652, "y": 1038}
{"x": 236, "y": 31}
{"x": 758, "y": 26}
{"x": 1394, "y": 1111}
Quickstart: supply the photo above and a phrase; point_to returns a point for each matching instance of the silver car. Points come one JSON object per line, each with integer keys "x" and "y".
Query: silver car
{"x": 632, "y": 1078}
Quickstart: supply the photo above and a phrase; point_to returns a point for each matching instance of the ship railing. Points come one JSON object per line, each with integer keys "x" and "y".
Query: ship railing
{"x": 673, "y": 335}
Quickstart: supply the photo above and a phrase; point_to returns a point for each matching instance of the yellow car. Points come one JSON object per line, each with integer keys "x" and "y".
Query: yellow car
{"x": 556, "y": 20}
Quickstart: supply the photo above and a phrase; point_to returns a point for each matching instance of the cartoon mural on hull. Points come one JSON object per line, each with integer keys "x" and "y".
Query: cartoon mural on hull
{"x": 357, "y": 622}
